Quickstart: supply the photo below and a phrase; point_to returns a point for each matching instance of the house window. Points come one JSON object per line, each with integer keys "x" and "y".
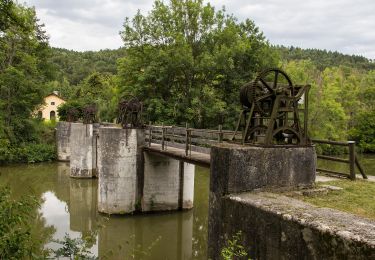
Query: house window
{"x": 52, "y": 103}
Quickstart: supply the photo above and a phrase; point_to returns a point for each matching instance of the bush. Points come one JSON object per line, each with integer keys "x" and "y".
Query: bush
{"x": 26, "y": 153}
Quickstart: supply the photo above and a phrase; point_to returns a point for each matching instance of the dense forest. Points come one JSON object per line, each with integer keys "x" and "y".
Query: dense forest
{"x": 185, "y": 68}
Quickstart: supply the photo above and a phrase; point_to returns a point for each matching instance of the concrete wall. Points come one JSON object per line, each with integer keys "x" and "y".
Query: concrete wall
{"x": 83, "y": 150}
{"x": 278, "y": 227}
{"x": 120, "y": 169}
{"x": 62, "y": 141}
{"x": 168, "y": 183}
{"x": 236, "y": 168}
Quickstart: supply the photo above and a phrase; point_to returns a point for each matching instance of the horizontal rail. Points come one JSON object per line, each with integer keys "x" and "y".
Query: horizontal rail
{"x": 335, "y": 159}
{"x": 341, "y": 143}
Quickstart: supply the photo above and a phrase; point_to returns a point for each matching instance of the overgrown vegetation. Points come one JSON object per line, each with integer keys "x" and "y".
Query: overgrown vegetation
{"x": 233, "y": 248}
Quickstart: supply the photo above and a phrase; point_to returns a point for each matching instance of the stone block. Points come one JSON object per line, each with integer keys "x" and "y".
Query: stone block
{"x": 62, "y": 141}
{"x": 83, "y": 150}
{"x": 120, "y": 169}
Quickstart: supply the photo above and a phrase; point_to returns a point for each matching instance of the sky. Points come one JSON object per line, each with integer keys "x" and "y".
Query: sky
{"x": 346, "y": 26}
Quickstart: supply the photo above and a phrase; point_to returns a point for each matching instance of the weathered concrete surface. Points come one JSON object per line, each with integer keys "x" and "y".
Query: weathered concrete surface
{"x": 277, "y": 227}
{"x": 120, "y": 168}
{"x": 236, "y": 168}
{"x": 62, "y": 141}
{"x": 188, "y": 186}
{"x": 83, "y": 150}
{"x": 161, "y": 183}
{"x": 168, "y": 183}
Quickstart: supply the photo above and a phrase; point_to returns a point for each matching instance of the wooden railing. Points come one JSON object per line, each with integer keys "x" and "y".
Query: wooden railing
{"x": 200, "y": 140}
{"x": 190, "y": 139}
{"x": 352, "y": 160}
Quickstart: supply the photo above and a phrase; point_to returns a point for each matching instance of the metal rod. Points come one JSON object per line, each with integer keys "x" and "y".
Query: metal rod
{"x": 352, "y": 159}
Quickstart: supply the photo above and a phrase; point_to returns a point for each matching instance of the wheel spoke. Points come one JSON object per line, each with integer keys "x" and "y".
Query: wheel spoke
{"x": 266, "y": 85}
{"x": 276, "y": 78}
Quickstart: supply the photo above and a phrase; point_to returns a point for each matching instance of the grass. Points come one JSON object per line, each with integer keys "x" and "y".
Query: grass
{"x": 357, "y": 197}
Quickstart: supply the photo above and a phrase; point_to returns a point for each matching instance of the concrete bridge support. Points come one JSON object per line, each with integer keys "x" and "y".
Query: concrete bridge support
{"x": 83, "y": 150}
{"x": 132, "y": 180}
{"x": 238, "y": 170}
{"x": 62, "y": 141}
{"x": 168, "y": 184}
{"x": 120, "y": 168}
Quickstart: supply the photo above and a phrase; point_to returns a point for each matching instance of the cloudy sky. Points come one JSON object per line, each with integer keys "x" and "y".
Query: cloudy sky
{"x": 347, "y": 26}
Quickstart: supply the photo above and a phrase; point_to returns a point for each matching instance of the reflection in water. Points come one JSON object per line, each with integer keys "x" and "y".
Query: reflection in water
{"x": 70, "y": 206}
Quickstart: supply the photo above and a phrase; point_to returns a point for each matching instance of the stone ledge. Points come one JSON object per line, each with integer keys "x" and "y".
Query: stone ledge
{"x": 293, "y": 229}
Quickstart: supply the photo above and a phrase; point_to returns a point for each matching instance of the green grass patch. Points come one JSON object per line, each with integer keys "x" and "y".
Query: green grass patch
{"x": 357, "y": 197}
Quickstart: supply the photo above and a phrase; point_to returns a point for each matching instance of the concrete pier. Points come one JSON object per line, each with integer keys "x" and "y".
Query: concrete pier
{"x": 168, "y": 183}
{"x": 120, "y": 169}
{"x": 83, "y": 150}
{"x": 62, "y": 140}
{"x": 237, "y": 169}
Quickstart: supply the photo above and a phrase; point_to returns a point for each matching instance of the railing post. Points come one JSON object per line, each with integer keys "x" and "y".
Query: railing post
{"x": 220, "y": 137}
{"x": 351, "y": 145}
{"x": 186, "y": 140}
{"x": 149, "y": 134}
{"x": 162, "y": 136}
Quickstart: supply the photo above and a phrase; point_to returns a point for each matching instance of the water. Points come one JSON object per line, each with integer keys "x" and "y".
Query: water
{"x": 69, "y": 206}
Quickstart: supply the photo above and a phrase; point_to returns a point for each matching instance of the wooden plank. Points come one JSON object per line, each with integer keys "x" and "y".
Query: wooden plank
{"x": 359, "y": 166}
{"x": 335, "y": 159}
{"x": 340, "y": 174}
{"x": 329, "y": 142}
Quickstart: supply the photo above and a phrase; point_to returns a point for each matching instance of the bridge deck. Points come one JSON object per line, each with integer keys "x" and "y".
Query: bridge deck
{"x": 201, "y": 159}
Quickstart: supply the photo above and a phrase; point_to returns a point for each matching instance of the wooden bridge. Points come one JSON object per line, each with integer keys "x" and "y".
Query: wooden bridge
{"x": 193, "y": 146}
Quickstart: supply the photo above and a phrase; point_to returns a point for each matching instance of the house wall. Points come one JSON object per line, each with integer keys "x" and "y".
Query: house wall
{"x": 46, "y": 110}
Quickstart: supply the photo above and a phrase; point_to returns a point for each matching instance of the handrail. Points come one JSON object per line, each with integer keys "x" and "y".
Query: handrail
{"x": 352, "y": 160}
{"x": 206, "y": 137}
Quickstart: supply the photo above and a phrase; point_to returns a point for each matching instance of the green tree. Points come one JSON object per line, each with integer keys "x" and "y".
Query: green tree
{"x": 187, "y": 62}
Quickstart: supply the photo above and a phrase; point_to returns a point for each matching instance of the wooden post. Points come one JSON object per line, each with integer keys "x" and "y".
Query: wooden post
{"x": 220, "y": 137}
{"x": 162, "y": 136}
{"x": 149, "y": 134}
{"x": 186, "y": 140}
{"x": 351, "y": 145}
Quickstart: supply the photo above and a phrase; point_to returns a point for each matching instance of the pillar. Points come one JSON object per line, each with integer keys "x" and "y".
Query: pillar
{"x": 168, "y": 184}
{"x": 83, "y": 150}
{"x": 120, "y": 169}
{"x": 236, "y": 169}
{"x": 62, "y": 141}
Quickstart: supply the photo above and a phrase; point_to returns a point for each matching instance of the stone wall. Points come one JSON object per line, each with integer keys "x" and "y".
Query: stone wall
{"x": 278, "y": 227}
{"x": 62, "y": 141}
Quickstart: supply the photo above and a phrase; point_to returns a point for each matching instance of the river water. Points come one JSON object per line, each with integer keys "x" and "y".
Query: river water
{"x": 70, "y": 206}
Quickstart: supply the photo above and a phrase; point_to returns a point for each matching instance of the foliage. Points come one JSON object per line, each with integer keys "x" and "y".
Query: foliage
{"x": 17, "y": 240}
{"x": 324, "y": 59}
{"x": 187, "y": 62}
{"x": 63, "y": 110}
{"x": 340, "y": 102}
{"x": 74, "y": 248}
{"x": 233, "y": 249}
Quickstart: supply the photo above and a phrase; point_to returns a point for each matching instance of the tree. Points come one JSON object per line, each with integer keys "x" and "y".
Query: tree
{"x": 187, "y": 62}
{"x": 23, "y": 50}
